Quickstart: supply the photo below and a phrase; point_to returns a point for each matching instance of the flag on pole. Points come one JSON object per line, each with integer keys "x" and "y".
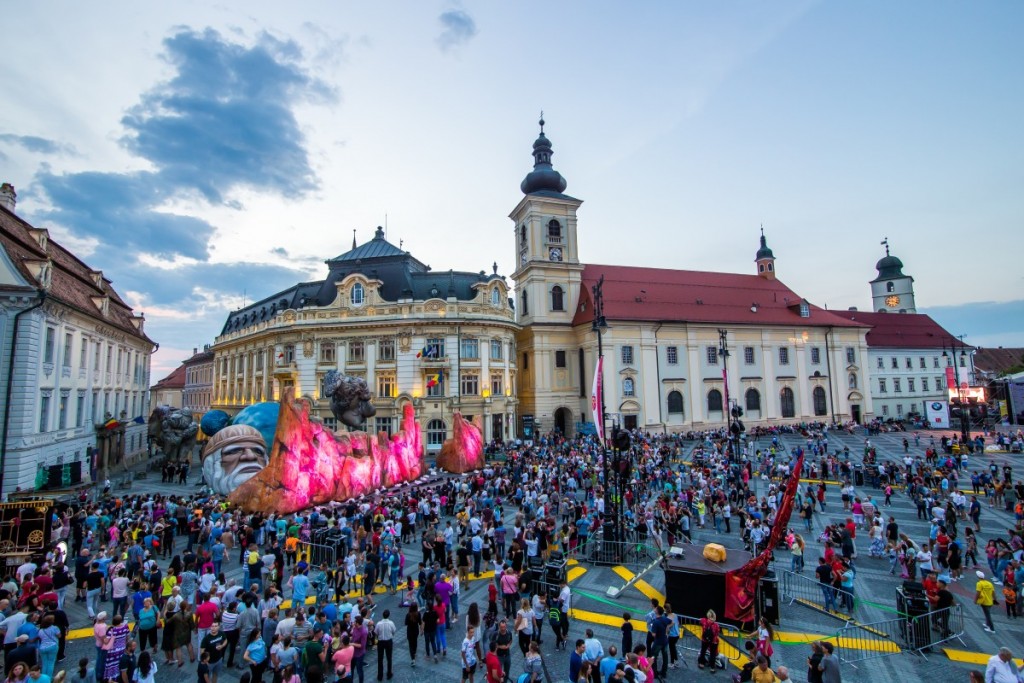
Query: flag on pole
{"x": 595, "y": 400}
{"x": 428, "y": 351}
{"x": 435, "y": 379}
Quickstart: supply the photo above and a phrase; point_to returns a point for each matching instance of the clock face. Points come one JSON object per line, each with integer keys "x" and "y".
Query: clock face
{"x": 892, "y": 301}
{"x": 556, "y": 254}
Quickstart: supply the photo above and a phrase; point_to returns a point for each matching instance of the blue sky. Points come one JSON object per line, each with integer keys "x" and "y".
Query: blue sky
{"x": 202, "y": 154}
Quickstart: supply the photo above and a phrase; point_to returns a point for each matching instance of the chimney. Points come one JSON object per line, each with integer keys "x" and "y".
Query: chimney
{"x": 8, "y": 197}
{"x": 195, "y": 350}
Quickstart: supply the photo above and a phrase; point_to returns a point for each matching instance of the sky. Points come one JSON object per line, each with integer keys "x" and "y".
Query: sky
{"x": 207, "y": 154}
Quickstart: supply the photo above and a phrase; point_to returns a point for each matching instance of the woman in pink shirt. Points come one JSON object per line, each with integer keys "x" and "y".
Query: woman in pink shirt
{"x": 104, "y": 641}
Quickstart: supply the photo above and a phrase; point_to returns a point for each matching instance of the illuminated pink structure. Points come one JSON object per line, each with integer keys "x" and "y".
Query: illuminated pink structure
{"x": 311, "y": 465}
{"x": 464, "y": 452}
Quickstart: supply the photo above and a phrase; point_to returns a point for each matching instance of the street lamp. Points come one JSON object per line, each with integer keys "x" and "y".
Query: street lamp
{"x": 598, "y": 326}
{"x": 965, "y": 418}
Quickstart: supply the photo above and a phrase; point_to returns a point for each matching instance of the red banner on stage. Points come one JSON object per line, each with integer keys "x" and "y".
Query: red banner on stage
{"x": 741, "y": 584}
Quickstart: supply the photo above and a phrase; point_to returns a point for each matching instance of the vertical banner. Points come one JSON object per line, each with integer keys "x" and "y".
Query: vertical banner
{"x": 951, "y": 382}
{"x": 595, "y": 400}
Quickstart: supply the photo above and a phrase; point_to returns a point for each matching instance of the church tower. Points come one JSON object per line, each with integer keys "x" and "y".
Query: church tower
{"x": 891, "y": 290}
{"x": 548, "y": 277}
{"x": 548, "y": 268}
{"x": 765, "y": 260}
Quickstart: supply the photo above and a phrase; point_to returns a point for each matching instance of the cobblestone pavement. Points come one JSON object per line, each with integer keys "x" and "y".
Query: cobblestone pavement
{"x": 875, "y": 588}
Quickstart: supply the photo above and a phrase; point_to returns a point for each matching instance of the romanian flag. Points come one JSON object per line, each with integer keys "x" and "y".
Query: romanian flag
{"x": 429, "y": 351}
{"x": 435, "y": 379}
{"x": 111, "y": 424}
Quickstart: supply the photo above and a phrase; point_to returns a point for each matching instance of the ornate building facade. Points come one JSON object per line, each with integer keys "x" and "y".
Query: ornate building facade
{"x": 198, "y": 391}
{"x": 442, "y": 340}
{"x": 679, "y": 346}
{"x": 74, "y": 355}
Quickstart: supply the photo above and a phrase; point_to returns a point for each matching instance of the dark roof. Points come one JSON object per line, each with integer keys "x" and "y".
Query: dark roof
{"x": 71, "y": 281}
{"x": 902, "y": 330}
{"x": 764, "y": 251}
{"x": 997, "y": 361}
{"x": 402, "y": 277}
{"x": 378, "y": 247}
{"x": 656, "y": 294}
{"x": 201, "y": 357}
{"x": 175, "y": 380}
{"x": 889, "y": 268}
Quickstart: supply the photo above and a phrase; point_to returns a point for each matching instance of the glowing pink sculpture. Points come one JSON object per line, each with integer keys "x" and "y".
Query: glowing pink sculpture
{"x": 311, "y": 465}
{"x": 464, "y": 452}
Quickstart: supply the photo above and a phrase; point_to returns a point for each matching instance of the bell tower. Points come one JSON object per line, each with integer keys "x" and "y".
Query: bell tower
{"x": 765, "y": 260}
{"x": 548, "y": 268}
{"x": 891, "y": 290}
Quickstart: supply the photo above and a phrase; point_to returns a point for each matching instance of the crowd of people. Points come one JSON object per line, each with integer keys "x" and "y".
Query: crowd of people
{"x": 156, "y": 574}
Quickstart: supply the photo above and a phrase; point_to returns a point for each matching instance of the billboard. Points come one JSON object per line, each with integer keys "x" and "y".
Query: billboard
{"x": 937, "y": 414}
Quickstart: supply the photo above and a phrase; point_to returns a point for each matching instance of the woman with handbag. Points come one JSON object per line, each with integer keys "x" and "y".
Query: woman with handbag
{"x": 524, "y": 625}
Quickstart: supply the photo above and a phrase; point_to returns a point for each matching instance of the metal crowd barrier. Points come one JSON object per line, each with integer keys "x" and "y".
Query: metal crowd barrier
{"x": 317, "y": 554}
{"x": 809, "y": 592}
{"x": 904, "y": 633}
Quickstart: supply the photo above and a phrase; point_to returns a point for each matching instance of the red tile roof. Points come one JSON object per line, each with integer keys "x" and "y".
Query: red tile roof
{"x": 175, "y": 380}
{"x": 997, "y": 361}
{"x": 902, "y": 330}
{"x": 657, "y": 294}
{"x": 71, "y": 280}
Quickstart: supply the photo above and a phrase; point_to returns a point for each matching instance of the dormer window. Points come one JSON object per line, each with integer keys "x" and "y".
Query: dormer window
{"x": 495, "y": 297}
{"x": 805, "y": 310}
{"x": 356, "y": 296}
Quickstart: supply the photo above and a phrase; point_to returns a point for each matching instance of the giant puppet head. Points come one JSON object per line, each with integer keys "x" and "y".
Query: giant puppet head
{"x": 232, "y": 456}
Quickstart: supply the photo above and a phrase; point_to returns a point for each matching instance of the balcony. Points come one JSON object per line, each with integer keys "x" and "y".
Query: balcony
{"x": 434, "y": 361}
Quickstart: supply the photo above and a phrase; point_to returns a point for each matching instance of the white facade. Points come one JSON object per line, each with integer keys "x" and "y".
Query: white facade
{"x": 904, "y": 380}
{"x": 77, "y": 357}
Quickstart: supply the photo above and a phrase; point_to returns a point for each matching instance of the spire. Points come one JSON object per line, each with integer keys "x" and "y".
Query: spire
{"x": 543, "y": 177}
{"x": 765, "y": 259}
{"x": 353, "y": 238}
{"x": 885, "y": 243}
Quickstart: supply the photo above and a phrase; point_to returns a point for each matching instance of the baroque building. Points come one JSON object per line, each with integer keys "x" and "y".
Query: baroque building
{"x": 680, "y": 347}
{"x": 75, "y": 363}
{"x": 441, "y": 340}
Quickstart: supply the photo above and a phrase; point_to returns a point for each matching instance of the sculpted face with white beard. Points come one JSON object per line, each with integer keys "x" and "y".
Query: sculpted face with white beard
{"x": 232, "y": 456}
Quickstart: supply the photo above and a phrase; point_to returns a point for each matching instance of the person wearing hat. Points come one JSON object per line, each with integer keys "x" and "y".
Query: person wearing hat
{"x": 984, "y": 597}
{"x": 232, "y": 456}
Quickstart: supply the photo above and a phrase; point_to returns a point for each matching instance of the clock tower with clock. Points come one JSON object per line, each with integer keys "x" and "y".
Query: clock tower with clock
{"x": 891, "y": 290}
{"x": 548, "y": 269}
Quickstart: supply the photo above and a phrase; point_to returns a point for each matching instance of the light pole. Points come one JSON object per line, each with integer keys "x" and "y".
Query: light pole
{"x": 599, "y": 325}
{"x": 965, "y": 419}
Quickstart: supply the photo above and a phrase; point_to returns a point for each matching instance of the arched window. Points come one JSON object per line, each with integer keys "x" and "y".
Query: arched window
{"x": 753, "y": 399}
{"x": 557, "y": 299}
{"x": 554, "y": 231}
{"x": 714, "y": 401}
{"x": 356, "y": 296}
{"x": 436, "y": 432}
{"x": 890, "y": 287}
{"x": 788, "y": 403}
{"x": 628, "y": 388}
{"x": 820, "y": 404}
{"x": 522, "y": 234}
{"x": 675, "y": 403}
{"x": 526, "y": 303}
{"x": 853, "y": 380}
{"x": 495, "y": 296}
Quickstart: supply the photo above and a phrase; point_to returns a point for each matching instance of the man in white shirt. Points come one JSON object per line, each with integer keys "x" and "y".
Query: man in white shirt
{"x": 1002, "y": 669}
{"x": 25, "y": 570}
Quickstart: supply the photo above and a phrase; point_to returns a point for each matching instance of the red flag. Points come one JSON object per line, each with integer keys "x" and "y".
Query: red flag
{"x": 741, "y": 584}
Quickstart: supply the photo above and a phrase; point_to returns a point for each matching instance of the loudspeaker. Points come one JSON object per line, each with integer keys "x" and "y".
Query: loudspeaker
{"x": 693, "y": 594}
{"x": 535, "y": 561}
{"x": 556, "y": 556}
{"x": 768, "y": 598}
{"x": 556, "y": 572}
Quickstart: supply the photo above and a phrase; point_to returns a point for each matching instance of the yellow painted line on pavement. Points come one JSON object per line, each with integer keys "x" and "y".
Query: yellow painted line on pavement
{"x": 641, "y": 585}
{"x": 606, "y": 619}
{"x": 978, "y": 658}
{"x": 575, "y": 573}
{"x": 839, "y": 615}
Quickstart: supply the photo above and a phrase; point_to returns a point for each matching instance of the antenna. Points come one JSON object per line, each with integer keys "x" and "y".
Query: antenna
{"x": 244, "y": 291}
{"x": 385, "y": 225}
